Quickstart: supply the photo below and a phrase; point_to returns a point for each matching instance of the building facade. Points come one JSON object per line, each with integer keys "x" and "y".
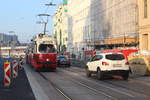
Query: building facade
{"x": 144, "y": 24}
{"x": 61, "y": 27}
{"x": 8, "y": 38}
{"x": 101, "y": 23}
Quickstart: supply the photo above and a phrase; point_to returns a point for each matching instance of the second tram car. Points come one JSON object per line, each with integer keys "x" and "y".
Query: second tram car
{"x": 42, "y": 52}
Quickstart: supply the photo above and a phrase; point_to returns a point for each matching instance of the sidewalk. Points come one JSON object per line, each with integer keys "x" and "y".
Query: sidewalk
{"x": 18, "y": 90}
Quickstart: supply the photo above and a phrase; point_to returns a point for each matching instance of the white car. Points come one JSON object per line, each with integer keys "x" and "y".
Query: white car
{"x": 108, "y": 64}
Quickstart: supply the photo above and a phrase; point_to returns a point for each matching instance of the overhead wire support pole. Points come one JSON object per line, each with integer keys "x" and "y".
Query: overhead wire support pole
{"x": 50, "y": 4}
{"x": 45, "y": 23}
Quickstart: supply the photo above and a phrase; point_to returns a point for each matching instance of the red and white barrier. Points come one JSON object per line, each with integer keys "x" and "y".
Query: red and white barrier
{"x": 15, "y": 69}
{"x": 20, "y": 64}
{"x": 7, "y": 73}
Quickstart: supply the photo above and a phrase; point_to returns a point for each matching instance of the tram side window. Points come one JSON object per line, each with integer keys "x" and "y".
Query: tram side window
{"x": 46, "y": 48}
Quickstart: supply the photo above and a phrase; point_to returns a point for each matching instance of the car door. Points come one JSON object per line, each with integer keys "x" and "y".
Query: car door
{"x": 95, "y": 62}
{"x": 90, "y": 63}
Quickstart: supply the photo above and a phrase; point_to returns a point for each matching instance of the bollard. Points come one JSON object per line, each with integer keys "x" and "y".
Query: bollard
{"x": 7, "y": 73}
{"x": 15, "y": 69}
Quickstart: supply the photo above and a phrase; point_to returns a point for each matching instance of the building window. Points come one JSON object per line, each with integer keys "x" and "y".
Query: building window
{"x": 145, "y": 8}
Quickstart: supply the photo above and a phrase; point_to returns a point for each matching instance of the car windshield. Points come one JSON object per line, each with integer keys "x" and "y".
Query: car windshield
{"x": 115, "y": 57}
{"x": 46, "y": 48}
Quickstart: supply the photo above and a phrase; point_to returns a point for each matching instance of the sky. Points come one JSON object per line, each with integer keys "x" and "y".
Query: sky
{"x": 20, "y": 16}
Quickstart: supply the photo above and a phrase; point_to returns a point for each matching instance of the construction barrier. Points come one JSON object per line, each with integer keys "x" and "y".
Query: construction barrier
{"x": 7, "y": 73}
{"x": 139, "y": 64}
{"x": 20, "y": 64}
{"x": 15, "y": 69}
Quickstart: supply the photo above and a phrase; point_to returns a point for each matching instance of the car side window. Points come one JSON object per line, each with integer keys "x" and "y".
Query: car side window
{"x": 93, "y": 58}
{"x": 97, "y": 57}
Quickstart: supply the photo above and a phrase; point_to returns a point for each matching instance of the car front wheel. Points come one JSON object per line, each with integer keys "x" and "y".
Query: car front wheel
{"x": 88, "y": 73}
{"x": 99, "y": 74}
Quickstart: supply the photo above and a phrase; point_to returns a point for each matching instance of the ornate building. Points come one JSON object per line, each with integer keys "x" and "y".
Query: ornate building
{"x": 144, "y": 24}
{"x": 102, "y": 23}
{"x": 60, "y": 20}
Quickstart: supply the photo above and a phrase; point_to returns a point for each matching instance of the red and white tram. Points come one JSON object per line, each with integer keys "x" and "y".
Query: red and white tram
{"x": 42, "y": 52}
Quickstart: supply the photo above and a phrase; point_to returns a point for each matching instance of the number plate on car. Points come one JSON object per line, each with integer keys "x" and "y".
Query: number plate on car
{"x": 116, "y": 65}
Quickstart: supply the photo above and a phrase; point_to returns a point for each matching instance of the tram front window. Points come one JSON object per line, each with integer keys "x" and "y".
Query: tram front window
{"x": 46, "y": 48}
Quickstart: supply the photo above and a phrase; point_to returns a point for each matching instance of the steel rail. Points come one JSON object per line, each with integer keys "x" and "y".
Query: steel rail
{"x": 55, "y": 87}
{"x": 90, "y": 88}
{"x": 122, "y": 86}
{"x": 129, "y": 88}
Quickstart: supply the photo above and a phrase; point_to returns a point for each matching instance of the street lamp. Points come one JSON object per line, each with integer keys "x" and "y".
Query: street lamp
{"x": 45, "y": 23}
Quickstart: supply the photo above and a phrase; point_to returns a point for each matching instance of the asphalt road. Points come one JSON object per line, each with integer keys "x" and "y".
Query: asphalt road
{"x": 72, "y": 84}
{"x": 19, "y": 88}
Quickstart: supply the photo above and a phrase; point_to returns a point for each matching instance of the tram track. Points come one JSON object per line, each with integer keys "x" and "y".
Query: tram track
{"x": 141, "y": 91}
{"x": 73, "y": 76}
{"x": 92, "y": 81}
{"x": 57, "y": 88}
{"x": 77, "y": 76}
{"x": 131, "y": 79}
{"x": 90, "y": 87}
{"x": 94, "y": 90}
{"x": 128, "y": 87}
{"x": 78, "y": 83}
